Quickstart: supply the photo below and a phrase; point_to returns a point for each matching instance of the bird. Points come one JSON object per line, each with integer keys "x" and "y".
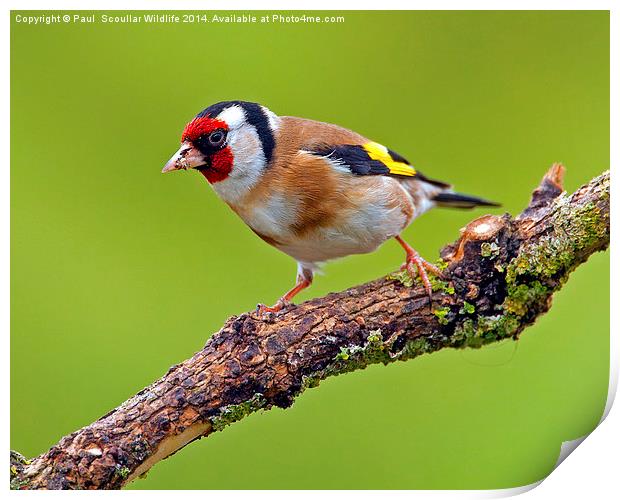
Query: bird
{"x": 315, "y": 191}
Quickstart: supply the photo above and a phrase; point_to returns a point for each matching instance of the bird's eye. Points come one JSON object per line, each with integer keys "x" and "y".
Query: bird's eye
{"x": 212, "y": 142}
{"x": 216, "y": 138}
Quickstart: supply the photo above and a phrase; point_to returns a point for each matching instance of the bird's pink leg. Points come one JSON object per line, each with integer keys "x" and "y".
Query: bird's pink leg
{"x": 414, "y": 259}
{"x": 304, "y": 280}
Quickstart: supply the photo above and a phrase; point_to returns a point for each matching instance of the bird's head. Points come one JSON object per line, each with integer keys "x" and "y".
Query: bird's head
{"x": 230, "y": 143}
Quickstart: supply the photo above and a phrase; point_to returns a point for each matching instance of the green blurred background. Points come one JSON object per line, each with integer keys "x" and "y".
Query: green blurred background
{"x": 118, "y": 272}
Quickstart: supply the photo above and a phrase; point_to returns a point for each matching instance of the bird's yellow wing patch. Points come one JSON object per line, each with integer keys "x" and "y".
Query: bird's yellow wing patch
{"x": 380, "y": 153}
{"x": 368, "y": 159}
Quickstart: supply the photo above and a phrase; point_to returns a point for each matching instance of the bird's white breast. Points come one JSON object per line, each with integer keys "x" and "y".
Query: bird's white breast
{"x": 272, "y": 217}
{"x": 355, "y": 230}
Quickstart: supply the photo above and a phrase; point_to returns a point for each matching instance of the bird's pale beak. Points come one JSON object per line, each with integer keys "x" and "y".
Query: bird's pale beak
{"x": 186, "y": 157}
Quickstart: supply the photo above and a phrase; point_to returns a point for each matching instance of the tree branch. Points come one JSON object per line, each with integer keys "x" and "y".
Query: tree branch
{"x": 501, "y": 273}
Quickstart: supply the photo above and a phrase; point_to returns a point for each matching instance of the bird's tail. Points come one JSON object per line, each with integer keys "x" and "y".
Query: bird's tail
{"x": 442, "y": 195}
{"x": 451, "y": 199}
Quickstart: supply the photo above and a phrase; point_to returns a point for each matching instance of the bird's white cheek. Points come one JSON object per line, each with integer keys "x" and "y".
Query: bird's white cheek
{"x": 248, "y": 164}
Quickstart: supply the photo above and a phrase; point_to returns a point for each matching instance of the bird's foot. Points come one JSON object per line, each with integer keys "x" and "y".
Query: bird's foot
{"x": 303, "y": 281}
{"x": 263, "y": 310}
{"x": 416, "y": 265}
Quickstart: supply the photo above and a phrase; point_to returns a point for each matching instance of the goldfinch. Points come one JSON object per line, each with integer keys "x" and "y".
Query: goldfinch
{"x": 313, "y": 190}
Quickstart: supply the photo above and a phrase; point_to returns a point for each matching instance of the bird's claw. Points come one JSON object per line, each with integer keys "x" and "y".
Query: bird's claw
{"x": 417, "y": 266}
{"x": 266, "y": 311}
{"x": 412, "y": 267}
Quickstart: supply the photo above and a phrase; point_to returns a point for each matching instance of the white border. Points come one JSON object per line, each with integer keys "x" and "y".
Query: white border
{"x": 230, "y": 5}
{"x": 597, "y": 458}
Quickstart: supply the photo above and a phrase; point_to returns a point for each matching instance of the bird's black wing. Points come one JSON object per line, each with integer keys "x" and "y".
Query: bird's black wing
{"x": 370, "y": 159}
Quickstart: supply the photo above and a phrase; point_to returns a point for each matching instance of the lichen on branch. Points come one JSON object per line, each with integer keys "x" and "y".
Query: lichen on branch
{"x": 500, "y": 276}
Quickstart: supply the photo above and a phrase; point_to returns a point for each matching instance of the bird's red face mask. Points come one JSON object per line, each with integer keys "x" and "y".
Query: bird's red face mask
{"x": 204, "y": 147}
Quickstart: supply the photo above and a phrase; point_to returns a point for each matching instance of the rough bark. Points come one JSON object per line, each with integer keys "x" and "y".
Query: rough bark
{"x": 500, "y": 276}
